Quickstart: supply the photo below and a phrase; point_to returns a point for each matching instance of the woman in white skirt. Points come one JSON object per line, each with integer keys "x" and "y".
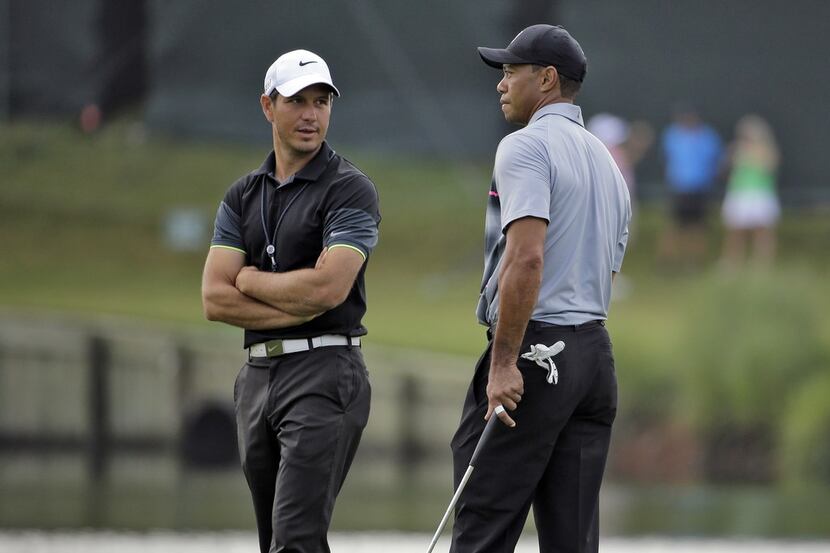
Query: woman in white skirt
{"x": 750, "y": 208}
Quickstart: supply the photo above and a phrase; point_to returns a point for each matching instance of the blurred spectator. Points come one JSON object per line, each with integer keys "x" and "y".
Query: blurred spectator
{"x": 627, "y": 142}
{"x": 692, "y": 151}
{"x": 751, "y": 208}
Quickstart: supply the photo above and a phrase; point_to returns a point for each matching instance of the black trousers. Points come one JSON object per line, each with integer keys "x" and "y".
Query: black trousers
{"x": 553, "y": 460}
{"x": 299, "y": 421}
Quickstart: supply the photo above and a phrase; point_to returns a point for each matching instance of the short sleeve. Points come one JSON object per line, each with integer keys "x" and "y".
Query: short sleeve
{"x": 353, "y": 216}
{"x": 619, "y": 251}
{"x": 227, "y": 229}
{"x": 622, "y": 242}
{"x": 523, "y": 179}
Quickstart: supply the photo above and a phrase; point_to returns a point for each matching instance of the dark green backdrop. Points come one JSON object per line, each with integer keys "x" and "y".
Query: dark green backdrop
{"x": 411, "y": 79}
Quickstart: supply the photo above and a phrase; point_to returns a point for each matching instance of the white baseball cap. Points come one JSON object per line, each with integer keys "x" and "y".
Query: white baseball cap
{"x": 295, "y": 70}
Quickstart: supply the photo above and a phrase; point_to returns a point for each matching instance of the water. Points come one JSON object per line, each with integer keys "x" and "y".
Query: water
{"x": 167, "y": 542}
{"x": 144, "y": 495}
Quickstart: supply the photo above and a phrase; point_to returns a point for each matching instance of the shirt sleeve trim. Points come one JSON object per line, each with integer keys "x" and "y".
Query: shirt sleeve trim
{"x": 227, "y": 248}
{"x": 526, "y": 213}
{"x": 358, "y": 250}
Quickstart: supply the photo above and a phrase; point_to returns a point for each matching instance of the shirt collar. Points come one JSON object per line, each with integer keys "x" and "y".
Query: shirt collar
{"x": 565, "y": 109}
{"x": 311, "y": 171}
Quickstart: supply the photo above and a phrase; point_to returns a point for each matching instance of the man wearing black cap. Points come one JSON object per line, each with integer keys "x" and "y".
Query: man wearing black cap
{"x": 556, "y": 231}
{"x": 287, "y": 263}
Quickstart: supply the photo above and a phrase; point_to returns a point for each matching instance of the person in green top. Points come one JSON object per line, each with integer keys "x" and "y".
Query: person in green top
{"x": 750, "y": 208}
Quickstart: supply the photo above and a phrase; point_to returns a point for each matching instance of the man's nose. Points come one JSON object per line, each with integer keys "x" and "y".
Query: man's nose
{"x": 501, "y": 87}
{"x": 309, "y": 114}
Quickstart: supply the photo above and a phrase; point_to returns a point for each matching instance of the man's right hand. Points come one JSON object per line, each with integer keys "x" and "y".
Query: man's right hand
{"x": 505, "y": 387}
{"x": 223, "y": 301}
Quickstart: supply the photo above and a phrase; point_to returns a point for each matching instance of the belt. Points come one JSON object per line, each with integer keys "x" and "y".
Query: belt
{"x": 539, "y": 326}
{"x": 274, "y": 348}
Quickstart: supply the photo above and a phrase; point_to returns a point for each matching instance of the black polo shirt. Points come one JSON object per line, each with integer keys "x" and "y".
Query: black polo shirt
{"x": 328, "y": 203}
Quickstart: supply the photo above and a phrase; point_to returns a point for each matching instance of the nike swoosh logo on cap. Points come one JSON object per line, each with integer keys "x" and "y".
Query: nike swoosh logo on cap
{"x": 302, "y": 63}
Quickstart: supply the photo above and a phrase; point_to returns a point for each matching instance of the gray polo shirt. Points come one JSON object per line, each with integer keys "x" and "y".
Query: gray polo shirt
{"x": 555, "y": 170}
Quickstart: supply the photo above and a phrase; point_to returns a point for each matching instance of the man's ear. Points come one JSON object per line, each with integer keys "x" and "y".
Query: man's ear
{"x": 267, "y": 107}
{"x": 549, "y": 79}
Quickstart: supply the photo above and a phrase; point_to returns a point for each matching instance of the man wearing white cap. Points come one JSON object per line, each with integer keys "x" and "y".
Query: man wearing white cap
{"x": 286, "y": 264}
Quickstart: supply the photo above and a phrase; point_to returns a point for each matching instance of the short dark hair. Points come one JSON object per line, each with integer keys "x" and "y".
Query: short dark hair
{"x": 567, "y": 87}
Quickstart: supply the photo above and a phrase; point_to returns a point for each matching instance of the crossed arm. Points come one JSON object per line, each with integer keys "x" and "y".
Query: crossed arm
{"x": 257, "y": 300}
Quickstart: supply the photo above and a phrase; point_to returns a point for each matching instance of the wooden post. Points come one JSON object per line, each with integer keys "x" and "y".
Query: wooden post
{"x": 99, "y": 447}
{"x": 409, "y": 448}
{"x": 184, "y": 378}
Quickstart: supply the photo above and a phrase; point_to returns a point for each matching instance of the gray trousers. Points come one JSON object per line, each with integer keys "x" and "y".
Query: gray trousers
{"x": 299, "y": 421}
{"x": 553, "y": 460}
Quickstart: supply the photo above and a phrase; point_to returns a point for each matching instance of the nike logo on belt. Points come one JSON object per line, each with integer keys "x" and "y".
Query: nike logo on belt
{"x": 302, "y": 63}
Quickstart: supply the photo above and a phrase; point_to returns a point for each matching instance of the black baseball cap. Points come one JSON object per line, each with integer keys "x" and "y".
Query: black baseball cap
{"x": 541, "y": 45}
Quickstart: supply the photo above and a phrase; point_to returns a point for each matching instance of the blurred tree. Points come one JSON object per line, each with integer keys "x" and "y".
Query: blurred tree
{"x": 531, "y": 12}
{"x": 805, "y": 435}
{"x": 120, "y": 65}
{"x": 751, "y": 344}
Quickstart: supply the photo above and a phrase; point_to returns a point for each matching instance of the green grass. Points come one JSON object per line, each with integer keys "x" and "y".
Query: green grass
{"x": 82, "y": 227}
{"x": 83, "y": 221}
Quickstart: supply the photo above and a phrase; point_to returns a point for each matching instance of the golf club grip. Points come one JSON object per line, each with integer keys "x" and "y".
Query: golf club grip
{"x": 485, "y": 435}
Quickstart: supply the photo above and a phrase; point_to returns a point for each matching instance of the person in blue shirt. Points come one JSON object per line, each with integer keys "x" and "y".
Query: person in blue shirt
{"x": 692, "y": 151}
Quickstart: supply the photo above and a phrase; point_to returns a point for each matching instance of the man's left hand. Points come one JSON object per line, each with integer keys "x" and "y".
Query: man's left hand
{"x": 505, "y": 387}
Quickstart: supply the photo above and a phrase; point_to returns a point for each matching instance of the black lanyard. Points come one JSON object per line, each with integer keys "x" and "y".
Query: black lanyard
{"x": 270, "y": 249}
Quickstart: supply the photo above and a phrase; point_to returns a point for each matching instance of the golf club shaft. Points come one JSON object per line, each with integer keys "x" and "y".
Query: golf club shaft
{"x": 454, "y": 500}
{"x": 485, "y": 435}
